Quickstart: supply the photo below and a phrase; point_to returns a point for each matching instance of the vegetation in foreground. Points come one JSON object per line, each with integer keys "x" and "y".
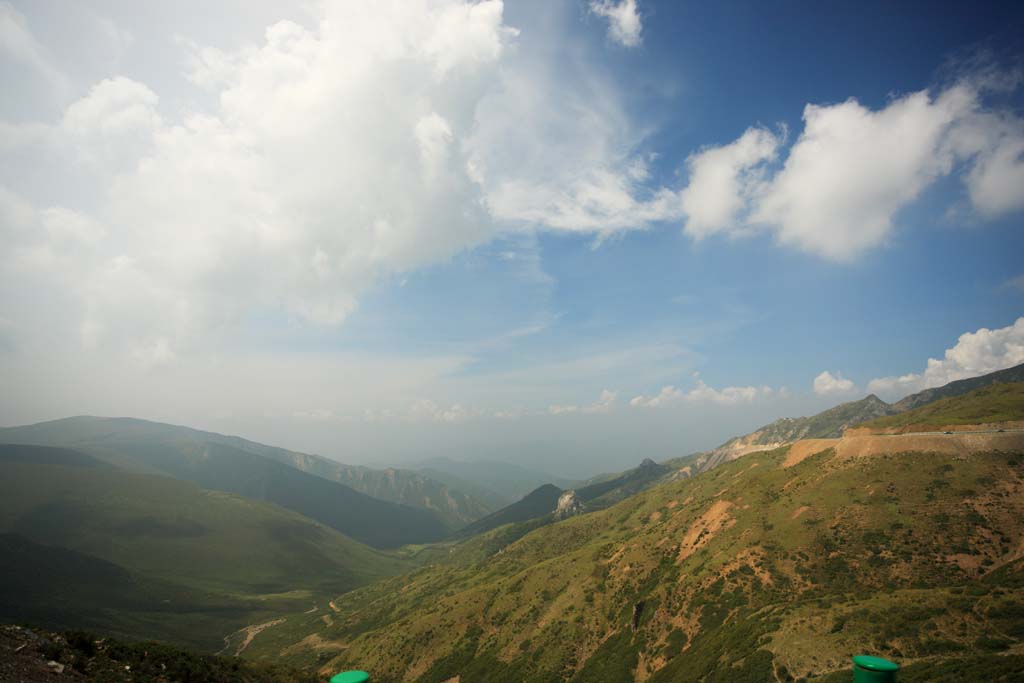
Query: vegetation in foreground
{"x": 31, "y": 655}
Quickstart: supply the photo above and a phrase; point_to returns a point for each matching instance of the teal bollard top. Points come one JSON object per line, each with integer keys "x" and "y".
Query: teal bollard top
{"x": 350, "y": 677}
{"x": 868, "y": 669}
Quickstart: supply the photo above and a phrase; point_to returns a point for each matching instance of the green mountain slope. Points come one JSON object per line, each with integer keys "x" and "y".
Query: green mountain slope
{"x": 217, "y": 548}
{"x": 987, "y": 404}
{"x": 212, "y": 464}
{"x": 60, "y": 588}
{"x": 537, "y": 503}
{"x": 611, "y": 490}
{"x": 754, "y": 571}
{"x": 959, "y": 387}
{"x": 162, "y": 448}
{"x": 542, "y": 504}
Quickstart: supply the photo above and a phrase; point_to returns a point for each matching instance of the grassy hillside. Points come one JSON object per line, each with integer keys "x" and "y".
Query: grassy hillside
{"x": 207, "y": 544}
{"x": 213, "y": 464}
{"x": 542, "y": 502}
{"x": 60, "y": 588}
{"x": 611, "y": 490}
{"x": 959, "y": 387}
{"x": 536, "y": 504}
{"x": 992, "y": 403}
{"x": 159, "y": 448}
{"x": 751, "y": 572}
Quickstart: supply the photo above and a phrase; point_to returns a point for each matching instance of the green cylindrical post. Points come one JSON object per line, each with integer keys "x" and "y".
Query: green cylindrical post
{"x": 867, "y": 669}
{"x": 350, "y": 677}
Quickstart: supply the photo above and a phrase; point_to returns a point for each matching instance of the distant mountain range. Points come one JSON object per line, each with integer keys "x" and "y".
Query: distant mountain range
{"x": 215, "y": 462}
{"x": 497, "y": 481}
{"x": 553, "y": 503}
{"x": 230, "y": 463}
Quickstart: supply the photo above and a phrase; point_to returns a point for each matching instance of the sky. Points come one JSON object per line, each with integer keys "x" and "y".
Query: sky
{"x": 570, "y": 234}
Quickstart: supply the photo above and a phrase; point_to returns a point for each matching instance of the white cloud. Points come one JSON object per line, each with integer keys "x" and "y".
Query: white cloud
{"x": 376, "y": 140}
{"x": 553, "y": 147}
{"x": 995, "y": 182}
{"x": 668, "y": 394}
{"x": 975, "y": 353}
{"x": 603, "y": 405}
{"x": 702, "y": 393}
{"x": 852, "y": 169}
{"x": 827, "y": 384}
{"x": 722, "y": 181}
{"x": 624, "y": 25}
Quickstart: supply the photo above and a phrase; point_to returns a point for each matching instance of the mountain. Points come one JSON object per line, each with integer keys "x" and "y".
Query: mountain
{"x": 611, "y": 490}
{"x": 959, "y": 387}
{"x": 827, "y": 424}
{"x": 121, "y": 440}
{"x": 831, "y": 423}
{"x": 765, "y": 568}
{"x": 990, "y": 404}
{"x": 552, "y": 503}
{"x": 234, "y": 465}
{"x": 192, "y": 563}
{"x": 510, "y": 482}
{"x": 537, "y": 503}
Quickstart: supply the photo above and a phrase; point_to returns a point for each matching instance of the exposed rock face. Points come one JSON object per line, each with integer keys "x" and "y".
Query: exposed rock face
{"x": 568, "y": 505}
{"x": 638, "y": 610}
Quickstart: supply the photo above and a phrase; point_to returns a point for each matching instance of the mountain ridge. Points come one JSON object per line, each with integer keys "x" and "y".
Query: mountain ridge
{"x": 312, "y": 485}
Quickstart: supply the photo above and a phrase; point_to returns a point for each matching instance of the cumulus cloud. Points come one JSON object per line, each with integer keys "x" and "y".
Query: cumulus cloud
{"x": 827, "y": 384}
{"x": 723, "y": 180}
{"x": 624, "y": 26}
{"x": 375, "y": 140}
{"x": 702, "y": 393}
{"x": 975, "y": 353}
{"x": 852, "y": 169}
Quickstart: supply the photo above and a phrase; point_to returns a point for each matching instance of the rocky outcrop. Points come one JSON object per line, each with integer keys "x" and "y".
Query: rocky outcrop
{"x": 568, "y": 505}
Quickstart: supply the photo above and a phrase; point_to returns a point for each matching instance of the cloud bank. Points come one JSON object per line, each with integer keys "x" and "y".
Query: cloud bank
{"x": 702, "y": 393}
{"x": 377, "y": 139}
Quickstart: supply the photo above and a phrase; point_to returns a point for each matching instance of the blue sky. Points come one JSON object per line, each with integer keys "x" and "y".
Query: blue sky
{"x": 570, "y": 233}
